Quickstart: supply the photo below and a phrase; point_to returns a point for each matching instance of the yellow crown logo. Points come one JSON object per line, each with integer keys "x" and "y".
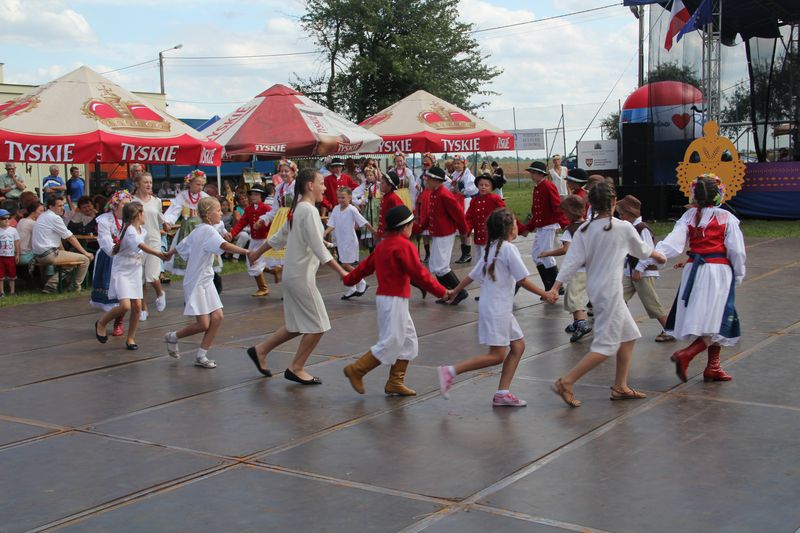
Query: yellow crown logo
{"x": 117, "y": 114}
{"x": 440, "y": 118}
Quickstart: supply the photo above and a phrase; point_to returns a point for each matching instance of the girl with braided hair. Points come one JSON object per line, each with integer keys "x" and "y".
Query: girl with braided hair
{"x": 704, "y": 309}
{"x": 601, "y": 246}
{"x": 499, "y": 270}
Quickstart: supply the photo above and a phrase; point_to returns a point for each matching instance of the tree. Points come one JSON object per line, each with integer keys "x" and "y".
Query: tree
{"x": 670, "y": 71}
{"x": 610, "y": 125}
{"x": 380, "y": 51}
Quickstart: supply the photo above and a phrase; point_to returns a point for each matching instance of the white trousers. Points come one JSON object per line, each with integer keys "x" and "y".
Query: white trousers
{"x": 397, "y": 337}
{"x": 254, "y": 269}
{"x": 441, "y": 250}
{"x": 544, "y": 240}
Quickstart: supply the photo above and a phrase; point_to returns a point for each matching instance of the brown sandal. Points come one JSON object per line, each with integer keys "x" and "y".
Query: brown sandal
{"x": 569, "y": 398}
{"x": 617, "y": 394}
{"x": 664, "y": 337}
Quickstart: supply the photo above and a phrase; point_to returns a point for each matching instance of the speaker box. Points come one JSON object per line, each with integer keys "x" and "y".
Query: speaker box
{"x": 637, "y": 154}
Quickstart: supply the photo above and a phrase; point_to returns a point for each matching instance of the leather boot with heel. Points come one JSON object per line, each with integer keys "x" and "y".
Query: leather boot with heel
{"x": 713, "y": 371}
{"x": 682, "y": 358}
{"x": 263, "y": 288}
{"x": 355, "y": 372}
{"x": 395, "y": 383}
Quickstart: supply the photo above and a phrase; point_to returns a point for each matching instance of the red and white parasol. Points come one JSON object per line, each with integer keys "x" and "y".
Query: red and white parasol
{"x": 281, "y": 122}
{"x": 422, "y": 122}
{"x": 84, "y": 118}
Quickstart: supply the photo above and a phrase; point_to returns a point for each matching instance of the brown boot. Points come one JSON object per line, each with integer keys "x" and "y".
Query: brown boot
{"x": 277, "y": 273}
{"x": 395, "y": 383}
{"x": 263, "y": 288}
{"x": 355, "y": 372}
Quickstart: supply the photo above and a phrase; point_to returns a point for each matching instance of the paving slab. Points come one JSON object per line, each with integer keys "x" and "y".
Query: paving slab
{"x": 452, "y": 448}
{"x": 69, "y": 473}
{"x": 252, "y": 499}
{"x": 268, "y": 413}
{"x": 11, "y": 431}
{"x": 684, "y": 465}
{"x": 473, "y": 521}
{"x": 112, "y": 392}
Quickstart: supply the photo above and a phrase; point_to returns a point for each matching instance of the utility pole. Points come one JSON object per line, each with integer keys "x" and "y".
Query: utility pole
{"x": 161, "y": 64}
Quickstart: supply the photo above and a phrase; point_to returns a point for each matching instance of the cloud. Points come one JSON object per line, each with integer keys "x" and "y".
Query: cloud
{"x": 43, "y": 24}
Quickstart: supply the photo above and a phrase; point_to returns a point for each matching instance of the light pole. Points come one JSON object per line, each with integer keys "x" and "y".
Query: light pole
{"x": 161, "y": 64}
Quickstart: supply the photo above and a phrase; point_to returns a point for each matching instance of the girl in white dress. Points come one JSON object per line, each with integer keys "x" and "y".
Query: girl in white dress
{"x": 462, "y": 185}
{"x": 704, "y": 309}
{"x": 303, "y": 308}
{"x": 342, "y": 221}
{"x": 601, "y": 247}
{"x": 200, "y": 249}
{"x": 558, "y": 175}
{"x": 126, "y": 273}
{"x": 153, "y": 222}
{"x": 499, "y": 271}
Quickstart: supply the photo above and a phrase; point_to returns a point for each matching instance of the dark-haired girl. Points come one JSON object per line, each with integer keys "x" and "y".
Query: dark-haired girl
{"x": 499, "y": 270}
{"x": 303, "y": 308}
{"x": 601, "y": 245}
{"x": 127, "y": 273}
{"x": 704, "y": 310}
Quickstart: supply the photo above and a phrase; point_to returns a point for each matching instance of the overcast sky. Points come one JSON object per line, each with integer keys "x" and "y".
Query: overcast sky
{"x": 576, "y": 61}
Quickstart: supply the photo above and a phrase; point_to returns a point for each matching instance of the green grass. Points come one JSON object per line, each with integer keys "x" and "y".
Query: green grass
{"x": 36, "y": 296}
{"x": 518, "y": 199}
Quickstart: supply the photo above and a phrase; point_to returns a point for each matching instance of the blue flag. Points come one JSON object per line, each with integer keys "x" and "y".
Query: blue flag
{"x": 700, "y": 18}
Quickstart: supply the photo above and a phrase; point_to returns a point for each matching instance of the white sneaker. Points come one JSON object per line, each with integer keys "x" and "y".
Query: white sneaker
{"x": 172, "y": 345}
{"x": 161, "y": 302}
{"x": 142, "y": 316}
{"x": 205, "y": 362}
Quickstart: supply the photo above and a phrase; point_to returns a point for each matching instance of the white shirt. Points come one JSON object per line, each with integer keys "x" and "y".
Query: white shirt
{"x": 497, "y": 296}
{"x": 567, "y": 237}
{"x": 344, "y": 224}
{"x": 360, "y": 194}
{"x": 8, "y": 236}
{"x": 641, "y": 266}
{"x": 560, "y": 180}
{"x": 129, "y": 246}
{"x": 48, "y": 231}
{"x": 25, "y": 230}
{"x": 466, "y": 177}
{"x": 108, "y": 229}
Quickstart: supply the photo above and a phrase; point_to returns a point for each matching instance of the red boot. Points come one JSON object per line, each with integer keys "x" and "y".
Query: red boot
{"x": 713, "y": 371}
{"x": 682, "y": 358}
{"x": 118, "y": 330}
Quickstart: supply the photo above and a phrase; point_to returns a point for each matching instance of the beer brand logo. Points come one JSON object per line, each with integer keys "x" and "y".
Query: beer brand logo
{"x": 441, "y": 118}
{"x": 113, "y": 112}
{"x": 503, "y": 143}
{"x": 19, "y": 105}
{"x": 589, "y": 161}
{"x": 348, "y": 148}
{"x": 374, "y": 120}
{"x": 271, "y": 148}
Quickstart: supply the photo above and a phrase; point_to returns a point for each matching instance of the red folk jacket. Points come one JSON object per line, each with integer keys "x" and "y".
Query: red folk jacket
{"x": 396, "y": 264}
{"x": 388, "y": 201}
{"x": 480, "y": 207}
{"x": 446, "y": 214}
{"x": 332, "y": 184}
{"x": 249, "y": 218}
{"x": 545, "y": 208}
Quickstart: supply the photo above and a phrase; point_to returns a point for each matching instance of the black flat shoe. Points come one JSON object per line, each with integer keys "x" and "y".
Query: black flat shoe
{"x": 291, "y": 376}
{"x": 132, "y": 346}
{"x": 251, "y": 351}
{"x": 362, "y": 293}
{"x": 102, "y": 338}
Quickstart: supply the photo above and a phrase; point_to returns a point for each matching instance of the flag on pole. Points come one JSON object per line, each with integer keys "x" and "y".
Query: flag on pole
{"x": 678, "y": 17}
{"x": 700, "y": 18}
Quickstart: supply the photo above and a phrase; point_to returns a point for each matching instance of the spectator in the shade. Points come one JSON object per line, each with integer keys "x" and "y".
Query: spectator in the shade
{"x": 75, "y": 187}
{"x": 48, "y": 231}
{"x": 54, "y": 184}
{"x": 83, "y": 221}
{"x": 11, "y": 185}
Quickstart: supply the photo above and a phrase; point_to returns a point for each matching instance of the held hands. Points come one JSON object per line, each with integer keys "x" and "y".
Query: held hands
{"x": 659, "y": 257}
{"x": 449, "y": 296}
{"x": 679, "y": 265}
{"x": 253, "y": 256}
{"x": 637, "y": 275}
{"x": 551, "y": 296}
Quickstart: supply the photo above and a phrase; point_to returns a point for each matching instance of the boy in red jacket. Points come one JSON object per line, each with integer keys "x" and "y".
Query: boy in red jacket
{"x": 258, "y": 234}
{"x": 479, "y": 210}
{"x": 389, "y": 199}
{"x": 333, "y": 182}
{"x": 445, "y": 217}
{"x": 396, "y": 263}
{"x": 546, "y": 218}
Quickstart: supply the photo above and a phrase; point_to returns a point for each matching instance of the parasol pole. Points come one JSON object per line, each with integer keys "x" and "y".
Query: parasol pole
{"x": 219, "y": 179}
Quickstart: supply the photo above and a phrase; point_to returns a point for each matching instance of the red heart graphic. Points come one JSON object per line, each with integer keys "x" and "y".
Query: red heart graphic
{"x": 681, "y": 120}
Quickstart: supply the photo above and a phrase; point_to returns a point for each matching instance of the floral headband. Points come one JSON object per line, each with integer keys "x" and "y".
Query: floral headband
{"x": 459, "y": 158}
{"x": 288, "y": 163}
{"x": 194, "y": 174}
{"x": 720, "y": 196}
{"x": 429, "y": 156}
{"x": 118, "y": 198}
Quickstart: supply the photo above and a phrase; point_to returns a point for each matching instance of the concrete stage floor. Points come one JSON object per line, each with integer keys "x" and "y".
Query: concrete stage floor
{"x": 97, "y": 438}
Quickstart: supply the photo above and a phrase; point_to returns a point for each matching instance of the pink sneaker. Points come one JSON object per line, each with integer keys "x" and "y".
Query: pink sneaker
{"x": 507, "y": 400}
{"x": 445, "y": 381}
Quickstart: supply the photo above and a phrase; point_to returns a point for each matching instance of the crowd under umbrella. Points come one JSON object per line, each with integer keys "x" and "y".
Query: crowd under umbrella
{"x": 84, "y": 118}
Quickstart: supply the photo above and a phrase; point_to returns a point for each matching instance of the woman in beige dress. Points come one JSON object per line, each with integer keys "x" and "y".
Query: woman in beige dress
{"x": 303, "y": 309}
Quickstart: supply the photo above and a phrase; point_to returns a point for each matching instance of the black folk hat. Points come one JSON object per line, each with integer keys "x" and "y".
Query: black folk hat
{"x": 537, "y": 166}
{"x": 259, "y": 189}
{"x": 436, "y": 173}
{"x": 398, "y": 216}
{"x": 336, "y": 162}
{"x": 393, "y": 179}
{"x": 577, "y": 175}
{"x": 488, "y": 177}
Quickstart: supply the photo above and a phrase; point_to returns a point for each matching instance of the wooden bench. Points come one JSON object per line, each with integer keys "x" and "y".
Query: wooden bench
{"x": 62, "y": 269}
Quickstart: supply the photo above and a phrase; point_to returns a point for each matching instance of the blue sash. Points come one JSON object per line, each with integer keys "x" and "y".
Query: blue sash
{"x": 697, "y": 260}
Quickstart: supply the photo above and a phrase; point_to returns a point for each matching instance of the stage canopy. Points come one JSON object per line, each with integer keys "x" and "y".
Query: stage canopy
{"x": 84, "y": 118}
